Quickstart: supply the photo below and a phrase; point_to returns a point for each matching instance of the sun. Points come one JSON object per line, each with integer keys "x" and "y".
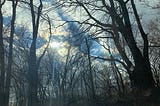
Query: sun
{"x": 59, "y": 47}
{"x": 55, "y": 44}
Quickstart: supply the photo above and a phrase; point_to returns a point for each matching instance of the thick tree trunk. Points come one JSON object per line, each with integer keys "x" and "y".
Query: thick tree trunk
{"x": 146, "y": 64}
{"x": 142, "y": 75}
{"x": 32, "y": 76}
{"x": 33, "y": 66}
{"x": 2, "y": 63}
{"x": 33, "y": 72}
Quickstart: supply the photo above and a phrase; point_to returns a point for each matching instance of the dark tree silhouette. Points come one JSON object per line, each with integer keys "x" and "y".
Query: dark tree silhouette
{"x": 10, "y": 57}
{"x": 120, "y": 25}
{"x": 32, "y": 62}
{"x": 2, "y": 58}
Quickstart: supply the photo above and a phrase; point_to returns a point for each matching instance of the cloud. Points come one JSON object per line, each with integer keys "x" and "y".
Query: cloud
{"x": 78, "y": 36}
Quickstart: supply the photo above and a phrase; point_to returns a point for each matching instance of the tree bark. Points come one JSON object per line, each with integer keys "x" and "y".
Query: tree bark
{"x": 142, "y": 73}
{"x": 33, "y": 69}
{"x": 91, "y": 80}
{"x": 2, "y": 58}
{"x": 10, "y": 57}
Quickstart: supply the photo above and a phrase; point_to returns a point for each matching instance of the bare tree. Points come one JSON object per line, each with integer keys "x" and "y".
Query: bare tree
{"x": 10, "y": 58}
{"x": 119, "y": 24}
{"x": 32, "y": 62}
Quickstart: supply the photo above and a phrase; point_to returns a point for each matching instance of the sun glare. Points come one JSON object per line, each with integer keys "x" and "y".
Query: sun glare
{"x": 55, "y": 44}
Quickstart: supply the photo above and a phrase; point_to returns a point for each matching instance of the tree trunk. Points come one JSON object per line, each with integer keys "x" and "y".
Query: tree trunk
{"x": 142, "y": 74}
{"x": 33, "y": 67}
{"x": 32, "y": 76}
{"x": 2, "y": 58}
{"x": 10, "y": 58}
{"x": 91, "y": 80}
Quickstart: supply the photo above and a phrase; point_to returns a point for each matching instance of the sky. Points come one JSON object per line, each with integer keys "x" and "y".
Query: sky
{"x": 59, "y": 37}
{"x": 24, "y": 18}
